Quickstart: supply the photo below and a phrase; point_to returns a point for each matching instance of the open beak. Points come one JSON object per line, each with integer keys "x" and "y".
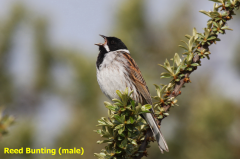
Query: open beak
{"x": 105, "y": 41}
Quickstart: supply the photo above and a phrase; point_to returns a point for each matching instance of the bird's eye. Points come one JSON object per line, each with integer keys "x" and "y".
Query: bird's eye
{"x": 112, "y": 42}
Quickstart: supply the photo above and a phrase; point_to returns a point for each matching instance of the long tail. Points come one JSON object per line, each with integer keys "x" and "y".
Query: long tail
{"x": 156, "y": 131}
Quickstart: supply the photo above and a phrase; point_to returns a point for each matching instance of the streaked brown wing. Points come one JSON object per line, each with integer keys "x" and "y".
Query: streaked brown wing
{"x": 141, "y": 86}
{"x": 136, "y": 76}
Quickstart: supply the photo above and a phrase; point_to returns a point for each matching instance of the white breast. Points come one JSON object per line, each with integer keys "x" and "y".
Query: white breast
{"x": 112, "y": 76}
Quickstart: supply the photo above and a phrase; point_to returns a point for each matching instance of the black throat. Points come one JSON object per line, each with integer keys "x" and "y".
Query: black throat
{"x": 101, "y": 55}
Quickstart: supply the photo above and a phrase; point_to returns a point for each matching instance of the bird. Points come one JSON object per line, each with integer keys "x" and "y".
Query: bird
{"x": 116, "y": 70}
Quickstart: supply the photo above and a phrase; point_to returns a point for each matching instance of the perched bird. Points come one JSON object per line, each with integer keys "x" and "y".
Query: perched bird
{"x": 116, "y": 70}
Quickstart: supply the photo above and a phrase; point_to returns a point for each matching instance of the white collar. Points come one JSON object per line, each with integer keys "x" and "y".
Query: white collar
{"x": 125, "y": 50}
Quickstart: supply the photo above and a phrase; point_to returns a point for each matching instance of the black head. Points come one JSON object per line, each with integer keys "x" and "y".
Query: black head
{"x": 115, "y": 44}
{"x": 112, "y": 43}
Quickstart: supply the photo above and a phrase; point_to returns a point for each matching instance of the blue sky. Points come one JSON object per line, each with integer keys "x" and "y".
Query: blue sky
{"x": 77, "y": 22}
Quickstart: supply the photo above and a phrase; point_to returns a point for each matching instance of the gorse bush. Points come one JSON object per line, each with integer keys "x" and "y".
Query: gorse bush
{"x": 124, "y": 128}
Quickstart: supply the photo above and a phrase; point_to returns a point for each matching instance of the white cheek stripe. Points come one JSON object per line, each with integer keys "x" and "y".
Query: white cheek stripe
{"x": 106, "y": 47}
{"x": 125, "y": 50}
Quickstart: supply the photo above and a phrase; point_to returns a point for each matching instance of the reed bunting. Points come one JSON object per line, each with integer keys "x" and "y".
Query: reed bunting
{"x": 116, "y": 70}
